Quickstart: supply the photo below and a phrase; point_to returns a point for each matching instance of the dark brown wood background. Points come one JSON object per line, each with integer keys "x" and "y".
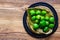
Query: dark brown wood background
{"x": 11, "y": 19}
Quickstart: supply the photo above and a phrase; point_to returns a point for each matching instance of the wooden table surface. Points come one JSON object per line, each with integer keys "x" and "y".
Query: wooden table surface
{"x": 11, "y": 19}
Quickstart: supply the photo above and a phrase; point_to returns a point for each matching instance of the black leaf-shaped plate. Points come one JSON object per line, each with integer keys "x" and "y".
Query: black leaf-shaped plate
{"x": 40, "y": 35}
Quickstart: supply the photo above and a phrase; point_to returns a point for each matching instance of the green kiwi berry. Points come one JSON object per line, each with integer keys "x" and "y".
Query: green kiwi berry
{"x": 32, "y": 12}
{"x": 33, "y": 18}
{"x": 38, "y": 12}
{"x": 51, "y": 26}
{"x": 44, "y": 12}
{"x": 46, "y": 29}
{"x": 35, "y": 26}
{"x": 51, "y": 19}
{"x": 38, "y": 17}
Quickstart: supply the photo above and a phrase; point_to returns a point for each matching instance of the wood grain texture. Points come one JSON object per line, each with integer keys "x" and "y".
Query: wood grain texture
{"x": 11, "y": 19}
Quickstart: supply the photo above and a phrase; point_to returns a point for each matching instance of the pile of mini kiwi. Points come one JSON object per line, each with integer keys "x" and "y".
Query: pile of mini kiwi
{"x": 41, "y": 19}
